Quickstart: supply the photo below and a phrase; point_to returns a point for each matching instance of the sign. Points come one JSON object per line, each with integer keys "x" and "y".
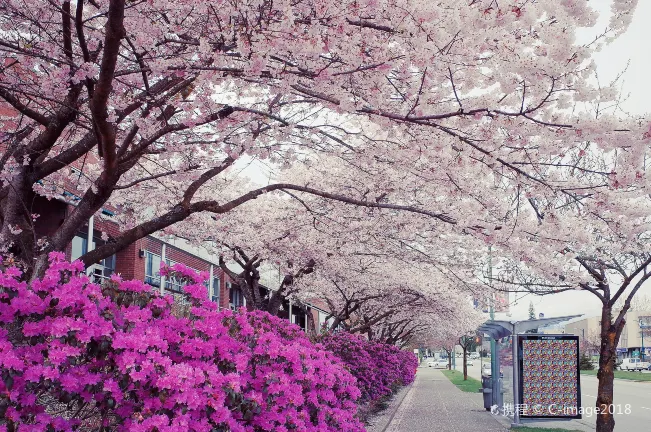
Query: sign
{"x": 549, "y": 376}
{"x": 541, "y": 315}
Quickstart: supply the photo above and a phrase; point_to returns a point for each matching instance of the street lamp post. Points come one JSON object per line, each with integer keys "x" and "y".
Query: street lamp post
{"x": 495, "y": 373}
{"x": 642, "y": 328}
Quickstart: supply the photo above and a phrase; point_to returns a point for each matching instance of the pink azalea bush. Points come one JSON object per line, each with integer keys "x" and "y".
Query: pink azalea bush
{"x": 78, "y": 356}
{"x": 380, "y": 368}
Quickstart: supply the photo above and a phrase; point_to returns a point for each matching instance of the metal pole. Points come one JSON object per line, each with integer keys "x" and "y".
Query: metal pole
{"x": 90, "y": 245}
{"x": 642, "y": 352}
{"x": 210, "y": 287}
{"x": 642, "y": 328}
{"x": 162, "y": 278}
{"x": 495, "y": 373}
{"x": 516, "y": 379}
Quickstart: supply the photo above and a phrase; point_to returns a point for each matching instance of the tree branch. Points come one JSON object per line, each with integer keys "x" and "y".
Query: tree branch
{"x": 98, "y": 106}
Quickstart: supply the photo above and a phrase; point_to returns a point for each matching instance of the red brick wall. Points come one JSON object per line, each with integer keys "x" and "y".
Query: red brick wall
{"x": 183, "y": 257}
{"x": 152, "y": 245}
{"x": 129, "y": 263}
{"x": 175, "y": 254}
{"x": 104, "y": 225}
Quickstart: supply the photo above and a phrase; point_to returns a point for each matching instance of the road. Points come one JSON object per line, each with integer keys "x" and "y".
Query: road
{"x": 631, "y": 394}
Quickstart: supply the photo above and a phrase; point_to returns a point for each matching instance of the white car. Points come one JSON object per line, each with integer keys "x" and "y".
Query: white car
{"x": 438, "y": 364}
{"x": 469, "y": 362}
{"x": 633, "y": 364}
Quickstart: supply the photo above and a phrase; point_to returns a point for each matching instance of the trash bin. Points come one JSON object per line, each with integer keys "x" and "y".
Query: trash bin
{"x": 487, "y": 390}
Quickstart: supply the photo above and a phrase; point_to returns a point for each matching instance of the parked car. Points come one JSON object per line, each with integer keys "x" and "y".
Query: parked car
{"x": 633, "y": 364}
{"x": 486, "y": 370}
{"x": 469, "y": 362}
{"x": 474, "y": 356}
{"x": 441, "y": 363}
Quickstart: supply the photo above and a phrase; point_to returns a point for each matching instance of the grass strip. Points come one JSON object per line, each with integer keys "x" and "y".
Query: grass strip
{"x": 470, "y": 385}
{"x": 537, "y": 429}
{"x": 626, "y": 375}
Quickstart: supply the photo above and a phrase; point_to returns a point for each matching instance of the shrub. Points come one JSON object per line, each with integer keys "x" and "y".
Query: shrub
{"x": 585, "y": 363}
{"x": 380, "y": 368}
{"x": 77, "y": 356}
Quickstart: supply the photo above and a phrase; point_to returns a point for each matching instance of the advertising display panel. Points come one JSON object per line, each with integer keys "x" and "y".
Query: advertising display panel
{"x": 549, "y": 376}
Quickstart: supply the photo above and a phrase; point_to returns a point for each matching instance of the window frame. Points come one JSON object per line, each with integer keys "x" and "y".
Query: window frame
{"x": 154, "y": 279}
{"x": 100, "y": 271}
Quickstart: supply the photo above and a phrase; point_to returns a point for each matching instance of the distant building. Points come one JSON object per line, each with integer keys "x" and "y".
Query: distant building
{"x": 631, "y": 342}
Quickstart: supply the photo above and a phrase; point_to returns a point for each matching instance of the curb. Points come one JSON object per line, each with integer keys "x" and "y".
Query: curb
{"x": 395, "y": 410}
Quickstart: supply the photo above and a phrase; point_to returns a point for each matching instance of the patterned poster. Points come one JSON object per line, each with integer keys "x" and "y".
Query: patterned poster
{"x": 549, "y": 380}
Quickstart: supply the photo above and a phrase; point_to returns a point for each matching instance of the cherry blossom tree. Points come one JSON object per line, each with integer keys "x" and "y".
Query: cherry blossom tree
{"x": 372, "y": 277}
{"x": 467, "y": 342}
{"x": 124, "y": 103}
{"x": 596, "y": 242}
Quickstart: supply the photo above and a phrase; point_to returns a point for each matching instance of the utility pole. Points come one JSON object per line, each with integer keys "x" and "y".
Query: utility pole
{"x": 642, "y": 328}
{"x": 495, "y": 373}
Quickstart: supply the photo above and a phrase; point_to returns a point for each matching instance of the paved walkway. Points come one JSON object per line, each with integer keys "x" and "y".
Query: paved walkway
{"x": 434, "y": 404}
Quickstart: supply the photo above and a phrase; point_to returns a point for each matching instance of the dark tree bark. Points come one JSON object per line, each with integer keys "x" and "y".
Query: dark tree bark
{"x": 257, "y": 296}
{"x": 466, "y": 341}
{"x": 610, "y": 334}
{"x": 450, "y": 353}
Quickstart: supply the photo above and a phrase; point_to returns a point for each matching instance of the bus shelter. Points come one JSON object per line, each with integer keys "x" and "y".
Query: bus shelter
{"x": 504, "y": 382}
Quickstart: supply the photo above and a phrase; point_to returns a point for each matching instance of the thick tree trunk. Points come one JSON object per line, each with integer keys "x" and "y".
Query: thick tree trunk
{"x": 17, "y": 225}
{"x": 606, "y": 375}
{"x": 465, "y": 365}
{"x": 275, "y": 302}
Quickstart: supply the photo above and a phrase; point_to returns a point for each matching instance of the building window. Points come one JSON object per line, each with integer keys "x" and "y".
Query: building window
{"x": 235, "y": 297}
{"x": 172, "y": 283}
{"x": 152, "y": 269}
{"x": 152, "y": 273}
{"x": 100, "y": 271}
{"x": 104, "y": 269}
{"x": 79, "y": 246}
{"x": 299, "y": 319}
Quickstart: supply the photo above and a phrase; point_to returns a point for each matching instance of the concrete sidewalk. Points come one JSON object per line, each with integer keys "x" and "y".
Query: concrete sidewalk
{"x": 433, "y": 403}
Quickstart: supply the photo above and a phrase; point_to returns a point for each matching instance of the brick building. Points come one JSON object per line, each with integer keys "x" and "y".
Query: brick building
{"x": 141, "y": 260}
